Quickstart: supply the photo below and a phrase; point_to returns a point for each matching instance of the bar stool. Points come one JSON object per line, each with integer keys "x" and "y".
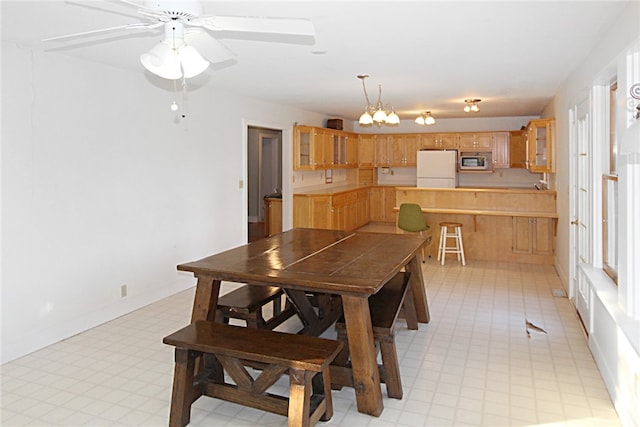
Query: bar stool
{"x": 458, "y": 249}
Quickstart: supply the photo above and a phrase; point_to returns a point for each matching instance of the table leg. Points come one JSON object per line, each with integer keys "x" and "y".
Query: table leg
{"x": 313, "y": 324}
{"x": 418, "y": 289}
{"x": 206, "y": 299}
{"x": 366, "y": 378}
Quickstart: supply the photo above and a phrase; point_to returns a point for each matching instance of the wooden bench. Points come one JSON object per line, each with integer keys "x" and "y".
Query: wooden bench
{"x": 206, "y": 350}
{"x": 246, "y": 303}
{"x": 385, "y": 307}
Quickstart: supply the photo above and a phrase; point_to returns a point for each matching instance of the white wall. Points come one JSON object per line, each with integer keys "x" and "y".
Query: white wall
{"x": 102, "y": 187}
{"x": 614, "y": 335}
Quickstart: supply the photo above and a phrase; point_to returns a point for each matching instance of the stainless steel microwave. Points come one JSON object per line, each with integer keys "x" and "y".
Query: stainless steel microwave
{"x": 474, "y": 162}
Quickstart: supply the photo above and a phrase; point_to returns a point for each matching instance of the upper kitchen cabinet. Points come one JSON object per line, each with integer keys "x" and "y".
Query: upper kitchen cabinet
{"x": 344, "y": 148}
{"x": 320, "y": 148}
{"x": 540, "y": 134}
{"x": 366, "y": 151}
{"x": 382, "y": 143}
{"x": 308, "y": 148}
{"x": 500, "y": 141}
{"x": 475, "y": 142}
{"x": 402, "y": 149}
{"x": 517, "y": 149}
{"x": 439, "y": 141}
{"x": 303, "y": 140}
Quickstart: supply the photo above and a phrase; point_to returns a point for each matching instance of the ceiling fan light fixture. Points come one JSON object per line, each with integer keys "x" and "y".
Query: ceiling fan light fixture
{"x": 192, "y": 62}
{"x": 162, "y": 61}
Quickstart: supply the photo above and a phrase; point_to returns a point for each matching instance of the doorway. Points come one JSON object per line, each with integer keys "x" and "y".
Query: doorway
{"x": 264, "y": 157}
{"x": 581, "y": 194}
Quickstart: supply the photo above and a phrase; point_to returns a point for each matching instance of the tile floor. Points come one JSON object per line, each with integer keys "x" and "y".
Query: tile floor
{"x": 472, "y": 365}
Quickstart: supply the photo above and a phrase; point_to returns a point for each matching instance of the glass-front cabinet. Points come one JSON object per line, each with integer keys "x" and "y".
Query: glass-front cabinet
{"x": 321, "y": 148}
{"x": 540, "y": 135}
{"x": 304, "y": 138}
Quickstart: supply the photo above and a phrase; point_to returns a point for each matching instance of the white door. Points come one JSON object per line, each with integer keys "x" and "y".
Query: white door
{"x": 582, "y": 229}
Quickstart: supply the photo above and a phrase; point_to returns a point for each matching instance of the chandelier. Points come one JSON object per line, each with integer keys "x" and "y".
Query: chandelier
{"x": 425, "y": 119}
{"x": 172, "y": 58}
{"x": 471, "y": 105}
{"x": 376, "y": 113}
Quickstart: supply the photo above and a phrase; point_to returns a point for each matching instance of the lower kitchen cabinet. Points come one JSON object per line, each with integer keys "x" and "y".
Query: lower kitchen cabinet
{"x": 382, "y": 200}
{"x": 340, "y": 211}
{"x": 272, "y": 216}
{"x": 532, "y": 236}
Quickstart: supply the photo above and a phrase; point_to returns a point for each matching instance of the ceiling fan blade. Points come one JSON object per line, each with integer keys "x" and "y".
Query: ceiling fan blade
{"x": 291, "y": 26}
{"x": 210, "y": 48}
{"x": 136, "y": 26}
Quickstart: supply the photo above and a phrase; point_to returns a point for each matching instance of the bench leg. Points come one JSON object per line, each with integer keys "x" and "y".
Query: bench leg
{"x": 326, "y": 382}
{"x": 391, "y": 367}
{"x": 300, "y": 389}
{"x": 182, "y": 395}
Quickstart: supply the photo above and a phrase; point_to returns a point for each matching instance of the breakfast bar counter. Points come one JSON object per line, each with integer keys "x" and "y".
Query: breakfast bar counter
{"x": 499, "y": 224}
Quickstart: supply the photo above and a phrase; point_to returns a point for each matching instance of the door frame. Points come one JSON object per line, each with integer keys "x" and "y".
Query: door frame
{"x": 287, "y": 170}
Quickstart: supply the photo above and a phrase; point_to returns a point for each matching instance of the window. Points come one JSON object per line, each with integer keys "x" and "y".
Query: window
{"x": 610, "y": 197}
{"x": 610, "y": 226}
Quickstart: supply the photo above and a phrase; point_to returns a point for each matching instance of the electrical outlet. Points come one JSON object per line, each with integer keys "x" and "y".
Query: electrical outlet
{"x": 123, "y": 291}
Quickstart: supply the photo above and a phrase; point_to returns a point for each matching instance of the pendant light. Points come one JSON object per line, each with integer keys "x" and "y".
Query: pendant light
{"x": 376, "y": 114}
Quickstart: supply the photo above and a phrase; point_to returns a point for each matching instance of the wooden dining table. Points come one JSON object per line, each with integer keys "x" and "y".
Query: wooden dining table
{"x": 352, "y": 265}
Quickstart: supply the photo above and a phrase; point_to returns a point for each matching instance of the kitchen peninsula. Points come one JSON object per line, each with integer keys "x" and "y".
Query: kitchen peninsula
{"x": 499, "y": 224}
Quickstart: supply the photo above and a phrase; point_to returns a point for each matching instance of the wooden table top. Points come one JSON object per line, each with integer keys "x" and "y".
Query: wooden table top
{"x": 314, "y": 260}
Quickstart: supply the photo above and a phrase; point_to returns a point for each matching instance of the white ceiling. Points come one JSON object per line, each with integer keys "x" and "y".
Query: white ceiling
{"x": 428, "y": 55}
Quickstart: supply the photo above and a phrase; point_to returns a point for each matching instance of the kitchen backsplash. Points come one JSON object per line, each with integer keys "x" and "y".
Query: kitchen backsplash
{"x": 310, "y": 180}
{"x": 500, "y": 178}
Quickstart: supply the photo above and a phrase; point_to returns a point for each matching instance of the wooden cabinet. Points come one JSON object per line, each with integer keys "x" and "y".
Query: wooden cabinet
{"x": 382, "y": 201}
{"x": 404, "y": 149}
{"x": 343, "y": 149}
{"x": 376, "y": 203}
{"x": 272, "y": 216}
{"x": 341, "y": 211}
{"x": 303, "y": 141}
{"x": 439, "y": 141}
{"x": 475, "y": 142}
{"x": 540, "y": 135}
{"x": 312, "y": 211}
{"x": 500, "y": 141}
{"x": 320, "y": 148}
{"x": 382, "y": 143}
{"x": 366, "y": 151}
{"x": 362, "y": 206}
{"x": 517, "y": 149}
{"x": 533, "y": 236}
{"x": 312, "y": 148}
{"x": 323, "y": 149}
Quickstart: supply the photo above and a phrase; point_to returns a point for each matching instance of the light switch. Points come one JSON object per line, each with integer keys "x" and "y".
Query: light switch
{"x": 241, "y": 184}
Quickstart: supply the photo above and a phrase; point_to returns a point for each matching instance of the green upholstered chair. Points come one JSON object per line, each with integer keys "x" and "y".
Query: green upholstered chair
{"x": 411, "y": 219}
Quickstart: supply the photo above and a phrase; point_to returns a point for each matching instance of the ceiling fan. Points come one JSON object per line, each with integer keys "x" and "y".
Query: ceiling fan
{"x": 189, "y": 46}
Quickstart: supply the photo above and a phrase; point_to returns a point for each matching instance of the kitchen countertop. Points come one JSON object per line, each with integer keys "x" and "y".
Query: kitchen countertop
{"x": 351, "y": 187}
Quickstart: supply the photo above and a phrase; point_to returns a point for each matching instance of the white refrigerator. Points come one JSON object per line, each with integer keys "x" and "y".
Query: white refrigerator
{"x": 437, "y": 168}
